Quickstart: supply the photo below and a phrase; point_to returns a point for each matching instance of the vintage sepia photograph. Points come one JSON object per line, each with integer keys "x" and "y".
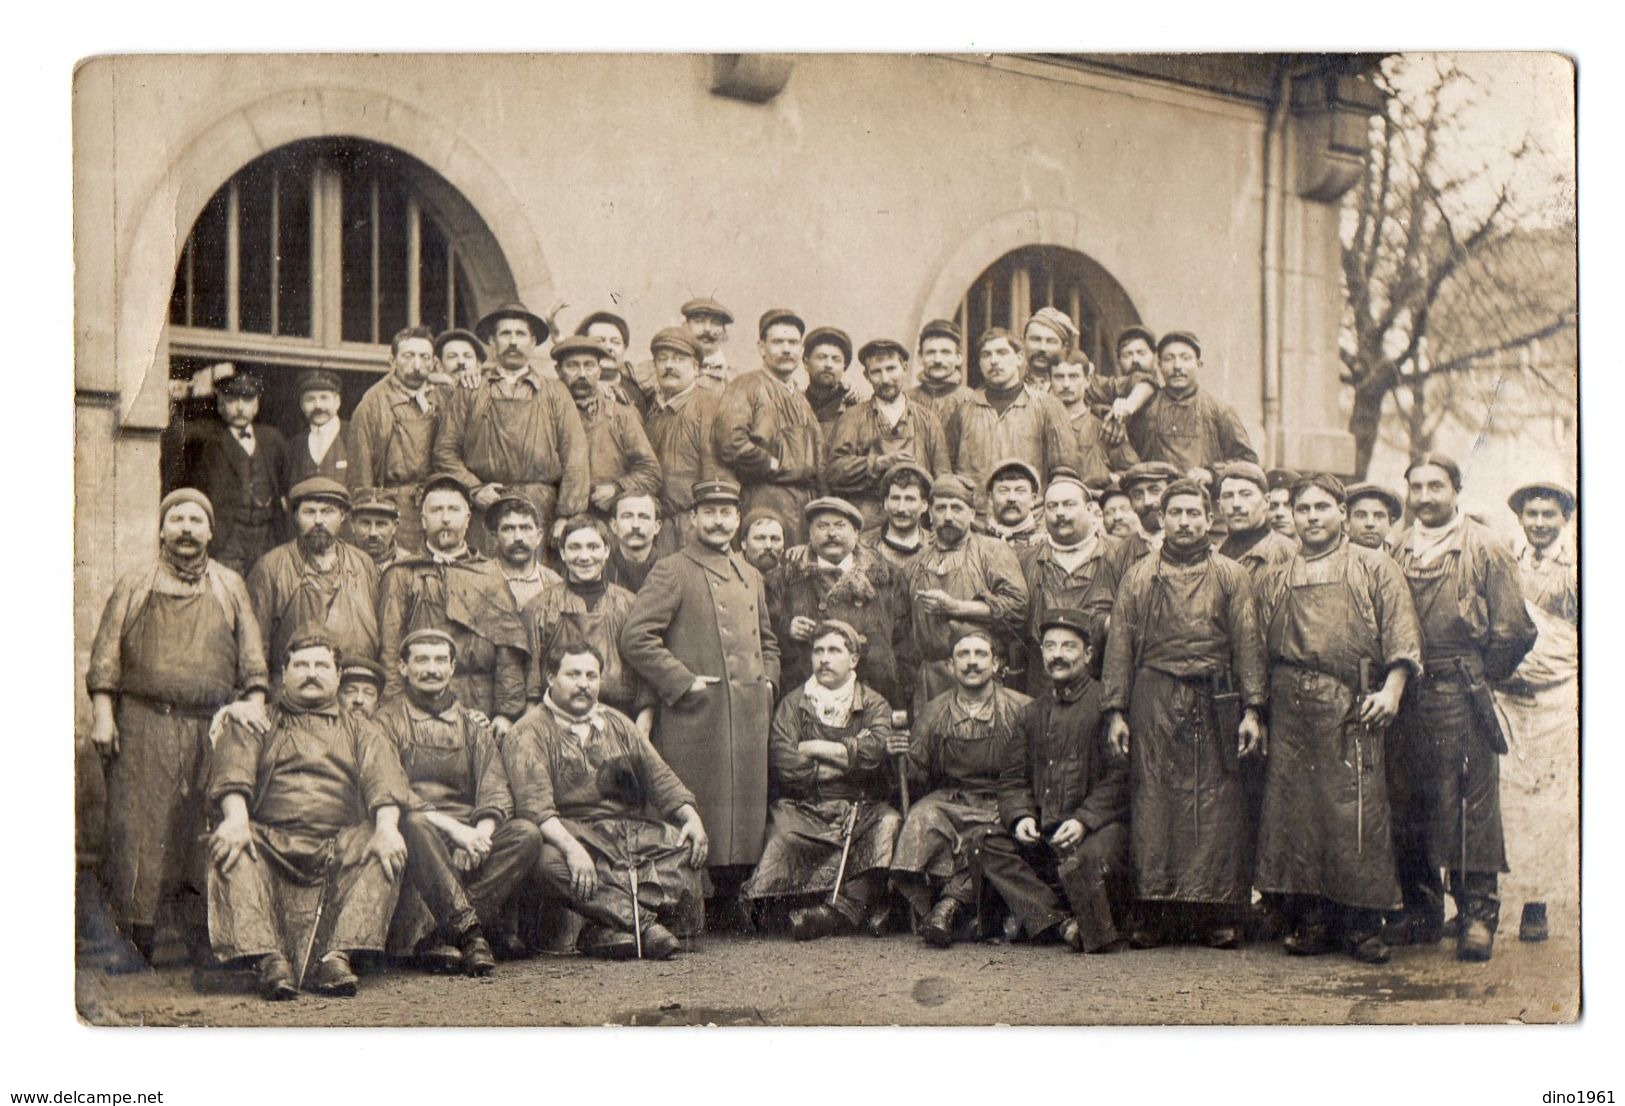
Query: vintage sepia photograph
{"x": 825, "y": 539}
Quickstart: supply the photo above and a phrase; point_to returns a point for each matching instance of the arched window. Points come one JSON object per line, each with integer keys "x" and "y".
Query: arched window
{"x": 1032, "y": 277}
{"x": 314, "y": 255}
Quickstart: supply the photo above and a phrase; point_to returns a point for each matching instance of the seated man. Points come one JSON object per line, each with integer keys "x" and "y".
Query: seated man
{"x": 831, "y": 831}
{"x": 466, "y": 854}
{"x": 623, "y": 841}
{"x": 1065, "y": 796}
{"x": 300, "y": 879}
{"x": 953, "y": 837}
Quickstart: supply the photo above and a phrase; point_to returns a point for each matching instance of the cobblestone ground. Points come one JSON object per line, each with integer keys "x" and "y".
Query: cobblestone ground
{"x": 892, "y": 980}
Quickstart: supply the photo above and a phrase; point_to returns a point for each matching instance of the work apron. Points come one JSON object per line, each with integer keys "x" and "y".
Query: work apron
{"x": 409, "y": 441}
{"x": 1325, "y": 828}
{"x": 155, "y": 785}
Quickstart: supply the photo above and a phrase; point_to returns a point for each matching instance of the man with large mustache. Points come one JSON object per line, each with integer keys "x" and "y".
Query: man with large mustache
{"x": 448, "y": 586}
{"x": 679, "y": 427}
{"x": 317, "y": 579}
{"x": 619, "y": 457}
{"x": 177, "y": 640}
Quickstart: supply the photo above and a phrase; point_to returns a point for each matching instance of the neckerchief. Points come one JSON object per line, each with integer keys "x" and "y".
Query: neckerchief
{"x": 1429, "y": 543}
{"x": 832, "y": 705}
{"x": 188, "y": 569}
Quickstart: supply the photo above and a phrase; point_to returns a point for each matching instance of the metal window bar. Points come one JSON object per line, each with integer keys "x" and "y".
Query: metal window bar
{"x": 233, "y": 277}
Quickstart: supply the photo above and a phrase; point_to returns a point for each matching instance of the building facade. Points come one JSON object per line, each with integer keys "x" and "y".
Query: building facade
{"x": 293, "y": 211}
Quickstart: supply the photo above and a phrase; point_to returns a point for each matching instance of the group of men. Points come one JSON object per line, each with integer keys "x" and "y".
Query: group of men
{"x": 594, "y": 660}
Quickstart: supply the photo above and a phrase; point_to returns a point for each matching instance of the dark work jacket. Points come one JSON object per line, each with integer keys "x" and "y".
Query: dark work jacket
{"x": 1064, "y": 768}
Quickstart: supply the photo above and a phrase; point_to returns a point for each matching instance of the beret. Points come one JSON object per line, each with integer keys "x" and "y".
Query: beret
{"x": 319, "y": 487}
{"x": 675, "y": 338}
{"x": 882, "y": 345}
{"x": 1244, "y": 470}
{"x": 833, "y": 504}
{"x": 319, "y": 380}
{"x": 1544, "y": 490}
{"x": 458, "y": 334}
{"x": 827, "y": 336}
{"x": 776, "y": 315}
{"x": 186, "y": 495}
{"x": 1005, "y": 464}
{"x": 854, "y": 640}
{"x": 704, "y": 305}
{"x": 715, "y": 491}
{"x": 576, "y": 344}
{"x": 1184, "y": 337}
{"x": 1136, "y": 331}
{"x": 515, "y": 310}
{"x": 428, "y": 633}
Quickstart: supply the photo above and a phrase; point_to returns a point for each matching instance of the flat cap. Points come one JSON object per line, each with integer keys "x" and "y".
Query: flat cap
{"x": 882, "y": 345}
{"x": 373, "y": 501}
{"x": 239, "y": 383}
{"x": 1067, "y": 618}
{"x": 430, "y": 634}
{"x": 458, "y": 334}
{"x": 444, "y": 480}
{"x": 854, "y": 640}
{"x": 319, "y": 487}
{"x": 715, "y": 491}
{"x": 704, "y": 305}
{"x": 1129, "y": 333}
{"x": 515, "y": 310}
{"x": 1058, "y": 321}
{"x": 954, "y": 486}
{"x": 1377, "y": 491}
{"x": 1148, "y": 470}
{"x": 828, "y": 336}
{"x": 942, "y": 328}
{"x": 578, "y": 344}
{"x": 319, "y": 380}
{"x": 833, "y": 504}
{"x": 1009, "y": 464}
{"x": 360, "y": 668}
{"x": 675, "y": 338}
{"x": 1064, "y": 474}
{"x": 186, "y": 495}
{"x": 773, "y": 316}
{"x": 1542, "y": 489}
{"x": 1183, "y": 337}
{"x": 507, "y": 505}
{"x": 1244, "y": 470}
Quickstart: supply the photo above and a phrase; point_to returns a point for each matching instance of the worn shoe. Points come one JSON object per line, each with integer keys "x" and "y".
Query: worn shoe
{"x": 659, "y": 943}
{"x": 1370, "y": 949}
{"x": 808, "y": 923}
{"x": 938, "y": 928}
{"x": 1309, "y": 941}
{"x": 608, "y": 944}
{"x": 878, "y": 921}
{"x": 478, "y": 959}
{"x": 1476, "y": 943}
{"x": 334, "y": 977}
{"x": 1532, "y": 926}
{"x": 730, "y": 915}
{"x": 276, "y": 978}
{"x": 1072, "y": 935}
{"x": 1415, "y": 929}
{"x": 1223, "y": 937}
{"x": 439, "y": 957}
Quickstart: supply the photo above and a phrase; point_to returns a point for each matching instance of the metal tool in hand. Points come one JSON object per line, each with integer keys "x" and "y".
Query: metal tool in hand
{"x": 846, "y": 850}
{"x": 899, "y": 719}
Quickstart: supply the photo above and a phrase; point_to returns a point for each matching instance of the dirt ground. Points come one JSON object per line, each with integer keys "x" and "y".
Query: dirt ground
{"x": 892, "y": 980}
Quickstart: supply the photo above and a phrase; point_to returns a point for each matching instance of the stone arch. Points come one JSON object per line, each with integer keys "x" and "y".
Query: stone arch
{"x": 492, "y": 212}
{"x": 1102, "y": 248}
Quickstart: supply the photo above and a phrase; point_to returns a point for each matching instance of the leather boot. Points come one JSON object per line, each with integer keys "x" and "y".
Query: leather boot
{"x": 275, "y": 977}
{"x": 478, "y": 959}
{"x": 659, "y": 943}
{"x": 1532, "y": 926}
{"x": 808, "y": 923}
{"x": 938, "y": 928}
{"x": 1477, "y": 941}
{"x": 334, "y": 976}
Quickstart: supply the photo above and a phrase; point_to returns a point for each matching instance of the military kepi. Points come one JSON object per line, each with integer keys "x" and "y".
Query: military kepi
{"x": 716, "y": 491}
